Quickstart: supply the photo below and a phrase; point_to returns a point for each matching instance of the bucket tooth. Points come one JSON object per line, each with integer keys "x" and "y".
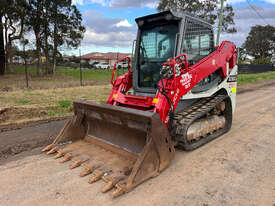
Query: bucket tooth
{"x": 95, "y": 178}
{"x": 75, "y": 164}
{"x": 53, "y": 150}
{"x": 79, "y": 161}
{"x": 107, "y": 187}
{"x": 60, "y": 153}
{"x": 89, "y": 168}
{"x": 66, "y": 158}
{"x": 85, "y": 172}
{"x": 98, "y": 174}
{"x": 118, "y": 191}
{"x": 47, "y": 148}
{"x": 112, "y": 180}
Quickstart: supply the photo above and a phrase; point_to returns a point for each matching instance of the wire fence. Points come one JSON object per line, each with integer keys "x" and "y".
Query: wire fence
{"x": 254, "y": 68}
{"x": 24, "y": 76}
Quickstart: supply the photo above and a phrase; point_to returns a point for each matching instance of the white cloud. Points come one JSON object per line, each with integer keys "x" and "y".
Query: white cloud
{"x": 152, "y": 5}
{"x": 121, "y": 4}
{"x": 234, "y": 1}
{"x": 110, "y": 39}
{"x": 245, "y": 18}
{"x": 102, "y": 31}
{"x": 270, "y": 1}
{"x": 123, "y": 23}
{"x": 82, "y": 2}
{"x": 101, "y": 2}
{"x": 118, "y": 32}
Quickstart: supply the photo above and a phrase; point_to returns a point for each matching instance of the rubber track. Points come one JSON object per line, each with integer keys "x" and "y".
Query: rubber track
{"x": 182, "y": 120}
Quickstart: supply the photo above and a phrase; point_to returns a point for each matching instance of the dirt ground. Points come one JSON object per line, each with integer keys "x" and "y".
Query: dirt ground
{"x": 235, "y": 169}
{"x": 35, "y": 135}
{"x": 12, "y": 113}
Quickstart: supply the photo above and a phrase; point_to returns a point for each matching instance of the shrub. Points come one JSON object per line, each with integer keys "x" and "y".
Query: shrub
{"x": 262, "y": 60}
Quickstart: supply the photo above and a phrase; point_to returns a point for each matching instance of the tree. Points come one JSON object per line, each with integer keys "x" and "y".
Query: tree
{"x": 35, "y": 22}
{"x": 46, "y": 46}
{"x": 67, "y": 26}
{"x": 54, "y": 23}
{"x": 204, "y": 9}
{"x": 260, "y": 41}
{"x": 13, "y": 25}
{"x": 11, "y": 28}
{"x": 2, "y": 48}
{"x": 262, "y": 60}
{"x": 241, "y": 54}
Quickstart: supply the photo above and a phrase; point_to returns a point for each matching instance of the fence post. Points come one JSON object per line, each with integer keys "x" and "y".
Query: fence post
{"x": 25, "y": 42}
{"x": 81, "y": 83}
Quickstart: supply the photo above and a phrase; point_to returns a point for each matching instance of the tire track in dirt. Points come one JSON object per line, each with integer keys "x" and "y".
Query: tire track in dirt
{"x": 16, "y": 141}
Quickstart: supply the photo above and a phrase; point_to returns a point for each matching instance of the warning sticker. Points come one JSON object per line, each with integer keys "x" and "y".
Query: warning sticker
{"x": 186, "y": 80}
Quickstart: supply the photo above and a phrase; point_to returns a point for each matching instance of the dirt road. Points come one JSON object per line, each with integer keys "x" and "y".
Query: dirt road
{"x": 235, "y": 169}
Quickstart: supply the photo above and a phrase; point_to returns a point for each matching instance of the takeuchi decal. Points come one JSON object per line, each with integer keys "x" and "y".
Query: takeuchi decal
{"x": 186, "y": 80}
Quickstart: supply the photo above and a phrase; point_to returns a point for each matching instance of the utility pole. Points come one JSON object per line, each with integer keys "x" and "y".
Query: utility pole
{"x": 220, "y": 23}
{"x": 25, "y": 63}
{"x": 25, "y": 42}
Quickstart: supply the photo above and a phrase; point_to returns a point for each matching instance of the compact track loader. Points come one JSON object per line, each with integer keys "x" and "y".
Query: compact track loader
{"x": 179, "y": 92}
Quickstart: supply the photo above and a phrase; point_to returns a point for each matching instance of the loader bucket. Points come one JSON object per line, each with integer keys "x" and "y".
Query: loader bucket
{"x": 122, "y": 146}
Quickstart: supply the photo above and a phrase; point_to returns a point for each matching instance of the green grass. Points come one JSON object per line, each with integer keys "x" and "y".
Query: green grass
{"x": 251, "y": 78}
{"x": 53, "y": 114}
{"x": 96, "y": 75}
{"x": 65, "y": 103}
{"x": 87, "y": 74}
{"x": 58, "y": 111}
{"x": 23, "y": 101}
{"x": 104, "y": 76}
{"x": 102, "y": 101}
{"x": 63, "y": 108}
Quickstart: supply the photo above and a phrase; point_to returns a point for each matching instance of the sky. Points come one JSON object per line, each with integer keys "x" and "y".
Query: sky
{"x": 110, "y": 24}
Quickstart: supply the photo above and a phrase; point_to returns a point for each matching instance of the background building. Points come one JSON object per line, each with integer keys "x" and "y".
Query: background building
{"x": 109, "y": 57}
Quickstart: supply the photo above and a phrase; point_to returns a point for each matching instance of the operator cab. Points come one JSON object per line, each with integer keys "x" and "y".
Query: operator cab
{"x": 165, "y": 35}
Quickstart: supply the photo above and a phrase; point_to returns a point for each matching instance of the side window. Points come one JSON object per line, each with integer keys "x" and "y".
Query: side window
{"x": 191, "y": 39}
{"x": 198, "y": 41}
{"x": 194, "y": 42}
{"x": 205, "y": 44}
{"x": 204, "y": 41}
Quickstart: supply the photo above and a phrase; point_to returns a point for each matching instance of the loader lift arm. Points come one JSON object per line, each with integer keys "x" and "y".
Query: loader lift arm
{"x": 222, "y": 59}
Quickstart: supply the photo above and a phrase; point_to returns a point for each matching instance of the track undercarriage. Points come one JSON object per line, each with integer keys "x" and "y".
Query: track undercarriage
{"x": 202, "y": 122}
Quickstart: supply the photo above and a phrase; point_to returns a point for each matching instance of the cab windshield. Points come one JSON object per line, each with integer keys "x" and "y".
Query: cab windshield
{"x": 157, "y": 44}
